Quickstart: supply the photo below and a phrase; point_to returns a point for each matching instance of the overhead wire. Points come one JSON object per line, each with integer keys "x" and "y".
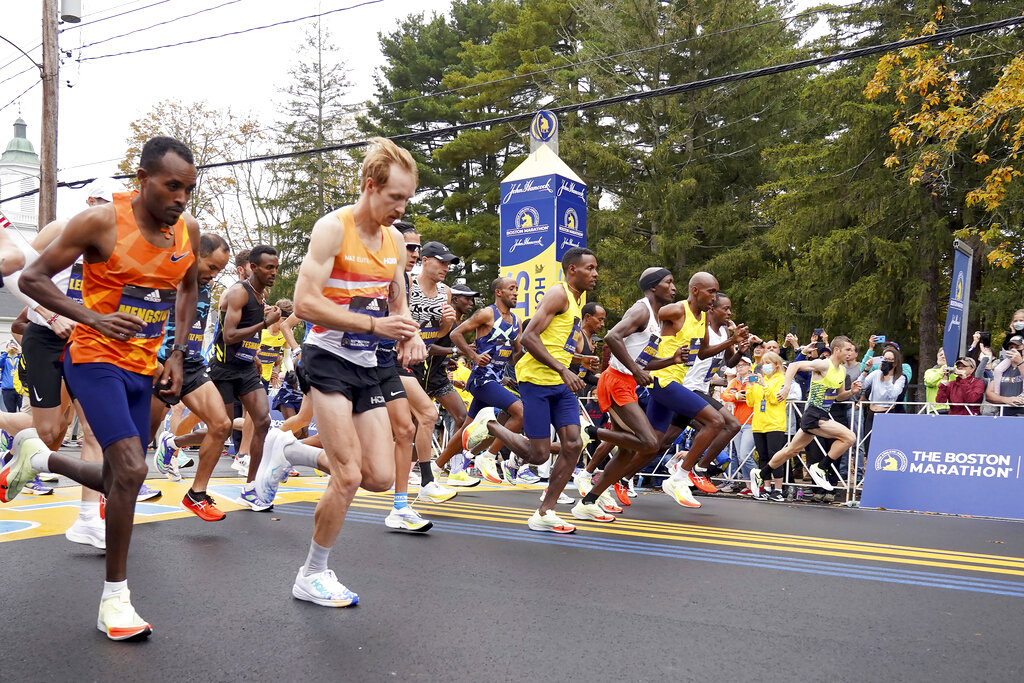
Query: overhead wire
{"x": 162, "y": 23}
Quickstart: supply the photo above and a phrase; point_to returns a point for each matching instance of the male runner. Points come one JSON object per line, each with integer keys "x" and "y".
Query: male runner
{"x": 140, "y": 261}
{"x": 547, "y": 385}
{"x": 828, "y": 377}
{"x": 198, "y": 393}
{"x": 351, "y": 286}
{"x": 234, "y": 369}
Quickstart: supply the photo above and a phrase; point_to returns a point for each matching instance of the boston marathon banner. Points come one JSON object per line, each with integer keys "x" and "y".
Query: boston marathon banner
{"x": 958, "y": 464}
{"x": 954, "y": 335}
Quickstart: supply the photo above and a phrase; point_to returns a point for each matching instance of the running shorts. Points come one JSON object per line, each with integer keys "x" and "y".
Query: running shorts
{"x": 812, "y": 417}
{"x": 489, "y": 393}
{"x": 615, "y": 388}
{"x": 234, "y": 381}
{"x": 547, "y": 406}
{"x": 194, "y": 376}
{"x": 669, "y": 399}
{"x": 390, "y": 383}
{"x": 330, "y": 374}
{"x": 41, "y": 368}
{"x": 114, "y": 400}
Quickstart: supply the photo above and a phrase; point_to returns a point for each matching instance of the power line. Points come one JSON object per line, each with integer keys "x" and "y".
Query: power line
{"x": 162, "y": 23}
{"x": 617, "y": 99}
{"x": 34, "y": 84}
{"x": 232, "y": 33}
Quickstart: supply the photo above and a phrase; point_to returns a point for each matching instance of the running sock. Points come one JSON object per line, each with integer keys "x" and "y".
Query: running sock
{"x": 89, "y": 510}
{"x": 316, "y": 561}
{"x": 298, "y": 453}
{"x": 426, "y": 473}
{"x": 681, "y": 475}
{"x": 401, "y": 500}
{"x": 113, "y": 588}
{"x": 457, "y": 463}
{"x": 40, "y": 460}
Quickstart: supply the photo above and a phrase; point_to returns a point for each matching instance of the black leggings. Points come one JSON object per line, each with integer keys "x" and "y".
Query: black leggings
{"x": 768, "y": 444}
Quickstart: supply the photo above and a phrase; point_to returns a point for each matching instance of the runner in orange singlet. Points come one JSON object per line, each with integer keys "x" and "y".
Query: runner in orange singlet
{"x": 140, "y": 261}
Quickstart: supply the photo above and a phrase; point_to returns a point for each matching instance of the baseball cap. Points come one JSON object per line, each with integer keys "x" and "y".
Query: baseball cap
{"x": 966, "y": 360}
{"x": 1016, "y": 340}
{"x": 463, "y": 290}
{"x": 746, "y": 359}
{"x": 438, "y": 251}
{"x": 101, "y": 188}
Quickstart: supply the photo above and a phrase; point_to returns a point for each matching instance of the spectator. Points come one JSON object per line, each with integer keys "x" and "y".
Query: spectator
{"x": 459, "y": 377}
{"x": 790, "y": 345}
{"x": 1005, "y": 388}
{"x": 870, "y": 362}
{"x": 768, "y": 424}
{"x": 756, "y": 351}
{"x": 1016, "y": 328}
{"x": 932, "y": 377}
{"x": 742, "y": 445}
{"x": 9, "y": 365}
{"x": 963, "y": 387}
{"x": 882, "y": 389}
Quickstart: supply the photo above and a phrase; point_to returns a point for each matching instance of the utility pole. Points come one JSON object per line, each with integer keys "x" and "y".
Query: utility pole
{"x": 48, "y": 147}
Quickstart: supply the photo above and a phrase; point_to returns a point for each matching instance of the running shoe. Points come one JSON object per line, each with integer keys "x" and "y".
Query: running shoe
{"x": 185, "y": 460}
{"x": 622, "y": 493}
{"x": 549, "y": 521}
{"x": 241, "y": 465}
{"x": 606, "y": 501}
{"x": 17, "y": 471}
{"x": 508, "y": 472}
{"x": 702, "y": 482}
{"x": 526, "y": 477}
{"x": 631, "y": 488}
{"x": 165, "y": 458}
{"x": 119, "y": 620}
{"x": 591, "y": 511}
{"x": 202, "y": 506}
{"x": 488, "y": 467}
{"x": 819, "y": 477}
{"x": 148, "y": 493}
{"x": 5, "y": 441}
{"x": 37, "y": 488}
{"x": 406, "y": 519}
{"x": 756, "y": 482}
{"x": 584, "y": 481}
{"x": 462, "y": 479}
{"x": 745, "y": 491}
{"x": 680, "y": 493}
{"x": 47, "y": 476}
{"x": 476, "y": 431}
{"x": 588, "y": 434}
{"x": 88, "y": 533}
{"x": 323, "y": 588}
{"x": 435, "y": 493}
{"x": 776, "y": 496}
{"x": 673, "y": 465}
{"x": 437, "y": 471}
{"x": 274, "y": 467}
{"x": 248, "y": 498}
{"x": 829, "y": 498}
{"x": 762, "y": 494}
{"x": 562, "y": 498}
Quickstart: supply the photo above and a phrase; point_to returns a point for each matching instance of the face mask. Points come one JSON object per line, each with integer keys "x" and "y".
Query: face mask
{"x": 768, "y": 368}
{"x": 1019, "y": 325}
{"x": 886, "y": 367}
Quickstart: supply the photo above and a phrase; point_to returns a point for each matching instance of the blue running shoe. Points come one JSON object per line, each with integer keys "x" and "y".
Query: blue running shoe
{"x": 148, "y": 493}
{"x": 165, "y": 458}
{"x": 248, "y": 498}
{"x": 37, "y": 488}
{"x": 5, "y": 441}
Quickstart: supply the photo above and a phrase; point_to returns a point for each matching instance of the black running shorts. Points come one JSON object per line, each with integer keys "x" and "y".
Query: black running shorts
{"x": 234, "y": 381}
{"x": 812, "y": 417}
{"x": 194, "y": 377}
{"x": 41, "y": 368}
{"x": 331, "y": 374}
{"x": 390, "y": 383}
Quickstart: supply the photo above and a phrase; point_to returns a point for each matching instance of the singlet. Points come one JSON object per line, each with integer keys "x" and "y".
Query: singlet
{"x": 244, "y": 352}
{"x": 560, "y": 338}
{"x": 359, "y": 282}
{"x": 426, "y": 311}
{"x": 822, "y": 393}
{"x": 138, "y": 278}
{"x": 499, "y": 344}
{"x": 699, "y": 376}
{"x": 386, "y": 355}
{"x": 691, "y": 336}
{"x": 271, "y": 348}
{"x": 195, "y": 335}
{"x": 642, "y": 345}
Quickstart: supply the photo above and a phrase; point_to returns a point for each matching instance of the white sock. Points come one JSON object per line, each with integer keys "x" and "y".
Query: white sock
{"x": 40, "y": 460}
{"x": 316, "y": 560}
{"x": 458, "y": 463}
{"x": 89, "y": 510}
{"x": 298, "y": 453}
{"x": 113, "y": 588}
{"x": 681, "y": 475}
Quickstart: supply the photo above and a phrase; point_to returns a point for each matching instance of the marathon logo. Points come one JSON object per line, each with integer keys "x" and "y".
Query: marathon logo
{"x": 152, "y": 306}
{"x": 948, "y": 463}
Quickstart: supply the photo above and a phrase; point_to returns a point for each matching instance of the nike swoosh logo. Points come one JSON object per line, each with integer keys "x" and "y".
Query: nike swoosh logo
{"x": 38, "y": 397}
{"x": 177, "y": 257}
{"x": 395, "y": 393}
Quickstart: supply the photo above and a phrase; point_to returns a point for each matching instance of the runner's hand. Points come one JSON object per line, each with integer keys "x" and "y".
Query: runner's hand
{"x": 447, "y": 314}
{"x": 398, "y": 327}
{"x": 740, "y": 333}
{"x": 681, "y": 356}
{"x": 63, "y": 327}
{"x": 572, "y": 380}
{"x": 482, "y": 359}
{"x": 784, "y": 392}
{"x": 271, "y": 314}
{"x": 171, "y": 376}
{"x": 117, "y": 325}
{"x": 642, "y": 377}
{"x": 411, "y": 350}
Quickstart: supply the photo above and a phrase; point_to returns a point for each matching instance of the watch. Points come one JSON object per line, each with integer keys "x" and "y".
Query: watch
{"x": 180, "y": 347}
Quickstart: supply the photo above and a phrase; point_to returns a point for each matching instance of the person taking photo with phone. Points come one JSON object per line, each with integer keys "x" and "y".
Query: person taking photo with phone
{"x": 960, "y": 386}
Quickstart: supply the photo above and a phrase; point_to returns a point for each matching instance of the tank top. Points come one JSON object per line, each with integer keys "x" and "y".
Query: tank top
{"x": 359, "y": 282}
{"x": 703, "y": 369}
{"x": 138, "y": 278}
{"x": 690, "y": 336}
{"x": 426, "y": 311}
{"x": 195, "y": 335}
{"x": 271, "y": 348}
{"x": 822, "y": 393}
{"x": 499, "y": 344}
{"x": 560, "y": 338}
{"x": 386, "y": 356}
{"x": 244, "y": 352}
{"x": 642, "y": 345}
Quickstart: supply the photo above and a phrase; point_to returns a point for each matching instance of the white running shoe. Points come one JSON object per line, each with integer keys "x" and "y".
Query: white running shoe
{"x": 819, "y": 477}
{"x": 274, "y": 467}
{"x": 119, "y": 620}
{"x": 323, "y": 588}
{"x": 591, "y": 511}
{"x": 549, "y": 521}
{"x": 488, "y": 466}
{"x": 526, "y": 477}
{"x": 437, "y": 471}
{"x": 631, "y": 488}
{"x": 680, "y": 492}
{"x": 86, "y": 533}
{"x": 584, "y": 482}
{"x": 562, "y": 498}
{"x": 406, "y": 519}
{"x": 462, "y": 478}
{"x": 608, "y": 502}
{"x": 47, "y": 476}
{"x": 241, "y": 465}
{"x": 476, "y": 432}
{"x": 435, "y": 493}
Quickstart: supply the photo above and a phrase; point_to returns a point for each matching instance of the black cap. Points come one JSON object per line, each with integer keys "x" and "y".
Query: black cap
{"x": 463, "y": 290}
{"x": 438, "y": 251}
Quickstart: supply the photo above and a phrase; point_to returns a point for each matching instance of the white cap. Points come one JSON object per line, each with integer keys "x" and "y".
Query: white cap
{"x": 103, "y": 188}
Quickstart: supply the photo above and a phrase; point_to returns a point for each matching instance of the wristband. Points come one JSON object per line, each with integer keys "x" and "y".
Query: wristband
{"x": 372, "y": 323}
{"x": 52, "y": 318}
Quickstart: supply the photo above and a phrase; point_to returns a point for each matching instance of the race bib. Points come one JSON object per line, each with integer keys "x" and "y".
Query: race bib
{"x": 249, "y": 349}
{"x": 74, "y": 291}
{"x": 268, "y": 355}
{"x": 649, "y": 352}
{"x": 364, "y": 341}
{"x": 575, "y": 335}
{"x": 153, "y": 306}
{"x": 195, "y": 339}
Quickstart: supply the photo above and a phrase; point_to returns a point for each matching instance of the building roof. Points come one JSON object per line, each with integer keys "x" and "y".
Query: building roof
{"x": 19, "y": 149}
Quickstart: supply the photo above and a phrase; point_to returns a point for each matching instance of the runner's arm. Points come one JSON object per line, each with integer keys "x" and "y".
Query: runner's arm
{"x": 555, "y": 302}
{"x": 482, "y": 318}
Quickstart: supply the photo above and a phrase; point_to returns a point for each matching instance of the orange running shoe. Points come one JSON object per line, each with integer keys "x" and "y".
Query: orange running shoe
{"x": 622, "y": 493}
{"x": 103, "y": 506}
{"x": 202, "y": 506}
{"x": 703, "y": 483}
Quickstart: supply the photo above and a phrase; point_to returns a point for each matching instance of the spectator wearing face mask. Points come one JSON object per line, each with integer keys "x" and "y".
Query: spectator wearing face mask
{"x": 743, "y": 443}
{"x": 1005, "y": 389}
{"x": 959, "y": 385}
{"x": 883, "y": 388}
{"x": 1016, "y": 328}
{"x": 768, "y": 424}
{"x": 8, "y": 368}
{"x": 871, "y": 361}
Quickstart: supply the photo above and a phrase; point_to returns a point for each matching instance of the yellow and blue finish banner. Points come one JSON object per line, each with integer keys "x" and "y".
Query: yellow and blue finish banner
{"x": 955, "y": 315}
{"x": 541, "y": 219}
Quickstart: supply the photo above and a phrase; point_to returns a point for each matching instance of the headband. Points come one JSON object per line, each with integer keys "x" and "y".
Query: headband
{"x": 651, "y": 281}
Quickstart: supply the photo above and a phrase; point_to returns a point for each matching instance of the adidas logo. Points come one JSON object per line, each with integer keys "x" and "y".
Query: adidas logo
{"x": 153, "y": 296}
{"x": 373, "y": 305}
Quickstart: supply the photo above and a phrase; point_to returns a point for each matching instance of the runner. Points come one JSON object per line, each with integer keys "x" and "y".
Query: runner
{"x": 828, "y": 377}
{"x": 234, "y": 369}
{"x": 138, "y": 251}
{"x": 351, "y": 286}
{"x": 272, "y": 343}
{"x": 198, "y": 393}
{"x": 546, "y": 384}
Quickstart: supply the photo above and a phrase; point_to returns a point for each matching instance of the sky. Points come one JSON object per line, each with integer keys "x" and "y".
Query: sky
{"x": 241, "y": 72}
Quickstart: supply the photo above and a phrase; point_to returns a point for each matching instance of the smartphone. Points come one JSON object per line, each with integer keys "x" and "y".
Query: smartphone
{"x": 818, "y": 331}
{"x": 880, "y": 338}
{"x": 985, "y": 338}
{"x": 792, "y": 329}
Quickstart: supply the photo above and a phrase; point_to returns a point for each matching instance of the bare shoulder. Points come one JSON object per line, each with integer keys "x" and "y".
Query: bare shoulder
{"x": 326, "y": 236}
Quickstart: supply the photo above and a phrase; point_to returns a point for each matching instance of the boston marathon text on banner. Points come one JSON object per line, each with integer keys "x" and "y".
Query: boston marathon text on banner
{"x": 954, "y": 333}
{"x": 946, "y": 463}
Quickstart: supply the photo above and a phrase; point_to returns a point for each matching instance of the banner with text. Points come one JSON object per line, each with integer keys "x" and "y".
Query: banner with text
{"x": 958, "y": 294}
{"x": 958, "y": 464}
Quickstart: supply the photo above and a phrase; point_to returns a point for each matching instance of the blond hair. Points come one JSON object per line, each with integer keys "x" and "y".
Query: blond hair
{"x": 381, "y": 154}
{"x": 775, "y": 359}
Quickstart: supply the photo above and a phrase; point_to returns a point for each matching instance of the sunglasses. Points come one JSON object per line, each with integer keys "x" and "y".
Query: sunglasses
{"x": 412, "y": 247}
